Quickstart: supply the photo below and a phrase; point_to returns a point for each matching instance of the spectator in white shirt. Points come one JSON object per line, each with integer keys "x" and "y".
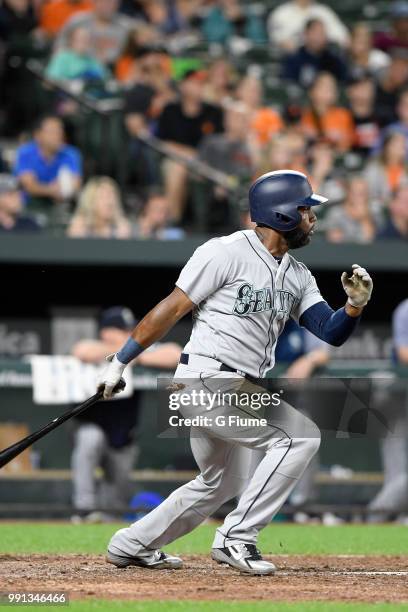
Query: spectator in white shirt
{"x": 287, "y": 23}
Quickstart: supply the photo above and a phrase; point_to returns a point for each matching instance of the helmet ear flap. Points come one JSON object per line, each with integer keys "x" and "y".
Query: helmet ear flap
{"x": 279, "y": 221}
{"x": 286, "y": 222}
{"x": 283, "y": 218}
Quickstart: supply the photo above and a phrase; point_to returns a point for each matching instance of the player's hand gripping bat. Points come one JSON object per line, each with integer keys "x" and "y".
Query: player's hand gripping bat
{"x": 12, "y": 451}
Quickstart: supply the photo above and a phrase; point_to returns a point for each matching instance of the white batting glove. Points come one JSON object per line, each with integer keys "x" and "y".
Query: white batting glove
{"x": 111, "y": 376}
{"x": 358, "y": 286}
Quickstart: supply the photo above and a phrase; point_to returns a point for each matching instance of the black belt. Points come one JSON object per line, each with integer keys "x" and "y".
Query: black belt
{"x": 184, "y": 359}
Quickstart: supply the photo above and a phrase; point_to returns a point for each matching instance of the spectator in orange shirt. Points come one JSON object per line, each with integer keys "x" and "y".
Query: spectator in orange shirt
{"x": 54, "y": 13}
{"x": 265, "y": 122}
{"x": 323, "y": 119}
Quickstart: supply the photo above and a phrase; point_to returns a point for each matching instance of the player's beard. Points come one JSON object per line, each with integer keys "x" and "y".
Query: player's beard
{"x": 296, "y": 238}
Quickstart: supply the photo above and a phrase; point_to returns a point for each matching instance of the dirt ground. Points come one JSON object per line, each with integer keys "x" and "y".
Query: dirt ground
{"x": 300, "y": 578}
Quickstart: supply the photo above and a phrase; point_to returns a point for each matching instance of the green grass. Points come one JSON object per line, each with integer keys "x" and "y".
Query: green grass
{"x": 91, "y": 605}
{"x": 20, "y": 538}
{"x": 280, "y": 538}
{"x": 229, "y": 606}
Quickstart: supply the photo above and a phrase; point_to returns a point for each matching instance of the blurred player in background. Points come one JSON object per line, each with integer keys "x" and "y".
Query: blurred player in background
{"x": 105, "y": 436}
{"x": 12, "y": 216}
{"x": 393, "y": 496}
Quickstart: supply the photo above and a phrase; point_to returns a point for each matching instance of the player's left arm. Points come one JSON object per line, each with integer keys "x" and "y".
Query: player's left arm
{"x": 335, "y": 327}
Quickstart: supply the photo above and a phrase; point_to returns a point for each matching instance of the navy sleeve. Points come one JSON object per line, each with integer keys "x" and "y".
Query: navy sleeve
{"x": 334, "y": 327}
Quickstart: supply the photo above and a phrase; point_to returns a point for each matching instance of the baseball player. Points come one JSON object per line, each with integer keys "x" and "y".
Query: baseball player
{"x": 241, "y": 289}
{"x": 393, "y": 494}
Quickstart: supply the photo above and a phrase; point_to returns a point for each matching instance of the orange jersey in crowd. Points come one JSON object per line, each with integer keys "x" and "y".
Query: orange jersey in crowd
{"x": 394, "y": 176}
{"x": 54, "y": 13}
{"x": 265, "y": 123}
{"x": 336, "y": 125}
{"x": 126, "y": 67}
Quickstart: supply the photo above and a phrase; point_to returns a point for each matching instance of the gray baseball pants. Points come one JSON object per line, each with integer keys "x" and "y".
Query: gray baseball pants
{"x": 228, "y": 459}
{"x": 393, "y": 495}
{"x": 91, "y": 451}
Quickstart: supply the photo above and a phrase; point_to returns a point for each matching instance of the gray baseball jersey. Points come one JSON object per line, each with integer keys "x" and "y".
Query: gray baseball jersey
{"x": 243, "y": 298}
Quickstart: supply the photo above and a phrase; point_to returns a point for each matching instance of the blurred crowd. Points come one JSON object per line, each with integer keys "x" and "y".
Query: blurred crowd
{"x": 201, "y": 114}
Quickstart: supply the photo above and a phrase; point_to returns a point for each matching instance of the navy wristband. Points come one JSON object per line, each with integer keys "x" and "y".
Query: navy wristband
{"x": 129, "y": 351}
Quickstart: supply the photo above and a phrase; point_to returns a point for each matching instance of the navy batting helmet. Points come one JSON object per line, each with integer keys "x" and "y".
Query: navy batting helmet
{"x": 275, "y": 197}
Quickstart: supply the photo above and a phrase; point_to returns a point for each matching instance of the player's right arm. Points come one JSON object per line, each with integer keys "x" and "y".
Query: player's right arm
{"x": 159, "y": 321}
{"x": 156, "y": 324}
{"x": 206, "y": 271}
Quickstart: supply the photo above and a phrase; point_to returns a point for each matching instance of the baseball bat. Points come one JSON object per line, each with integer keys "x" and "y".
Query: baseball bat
{"x": 14, "y": 450}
